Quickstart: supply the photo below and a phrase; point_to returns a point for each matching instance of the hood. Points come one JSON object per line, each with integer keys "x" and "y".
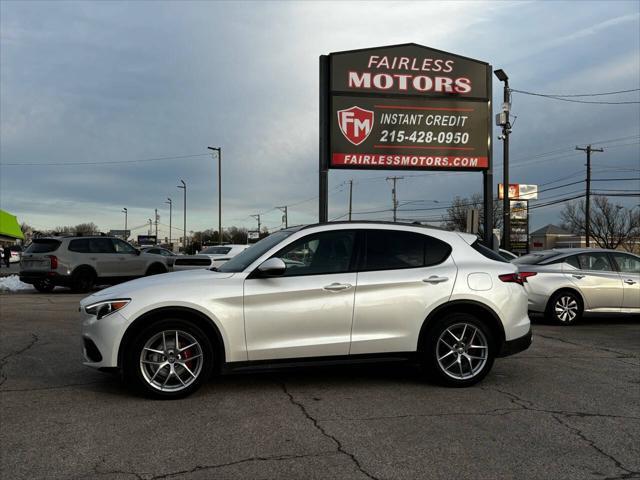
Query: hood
{"x": 165, "y": 280}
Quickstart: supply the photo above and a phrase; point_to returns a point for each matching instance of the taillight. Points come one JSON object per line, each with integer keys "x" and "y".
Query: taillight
{"x": 54, "y": 261}
{"x": 519, "y": 278}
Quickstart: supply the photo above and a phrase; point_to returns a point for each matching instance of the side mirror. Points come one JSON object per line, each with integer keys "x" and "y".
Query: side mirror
{"x": 272, "y": 267}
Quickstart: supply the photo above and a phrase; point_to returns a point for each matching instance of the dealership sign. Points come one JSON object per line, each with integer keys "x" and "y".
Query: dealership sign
{"x": 407, "y": 107}
{"x": 518, "y": 191}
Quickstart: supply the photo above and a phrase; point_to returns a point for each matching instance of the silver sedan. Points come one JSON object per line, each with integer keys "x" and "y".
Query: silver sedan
{"x": 565, "y": 283}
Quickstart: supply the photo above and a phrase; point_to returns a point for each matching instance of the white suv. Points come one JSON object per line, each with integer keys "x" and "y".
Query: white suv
{"x": 320, "y": 293}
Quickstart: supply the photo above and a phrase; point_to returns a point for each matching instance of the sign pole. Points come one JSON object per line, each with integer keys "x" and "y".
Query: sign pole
{"x": 323, "y": 186}
{"x": 487, "y": 175}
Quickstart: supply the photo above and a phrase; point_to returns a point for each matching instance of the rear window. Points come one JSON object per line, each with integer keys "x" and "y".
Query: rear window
{"x": 487, "y": 252}
{"x": 43, "y": 245}
{"x": 216, "y": 250}
{"x": 535, "y": 258}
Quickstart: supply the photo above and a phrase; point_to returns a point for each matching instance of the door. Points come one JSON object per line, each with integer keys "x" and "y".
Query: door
{"x": 129, "y": 262}
{"x": 402, "y": 276}
{"x": 307, "y": 311}
{"x": 629, "y": 270}
{"x": 103, "y": 256}
{"x": 597, "y": 280}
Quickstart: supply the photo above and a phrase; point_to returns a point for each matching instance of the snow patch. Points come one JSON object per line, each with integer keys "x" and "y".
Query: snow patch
{"x": 13, "y": 284}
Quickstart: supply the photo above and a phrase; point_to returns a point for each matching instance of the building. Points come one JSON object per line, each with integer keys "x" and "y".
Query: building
{"x": 552, "y": 236}
{"x": 10, "y": 231}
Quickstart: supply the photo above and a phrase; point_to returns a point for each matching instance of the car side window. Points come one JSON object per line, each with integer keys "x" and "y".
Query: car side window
{"x": 100, "y": 245}
{"x": 80, "y": 245}
{"x": 627, "y": 263}
{"x": 573, "y": 261}
{"x": 597, "y": 261}
{"x": 319, "y": 254}
{"x": 122, "y": 247}
{"x": 390, "y": 250}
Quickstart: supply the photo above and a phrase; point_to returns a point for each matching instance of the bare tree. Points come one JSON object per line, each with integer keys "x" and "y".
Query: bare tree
{"x": 612, "y": 225}
{"x": 456, "y": 216}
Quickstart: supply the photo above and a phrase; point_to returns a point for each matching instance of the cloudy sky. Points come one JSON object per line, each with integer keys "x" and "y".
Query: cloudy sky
{"x": 96, "y": 82}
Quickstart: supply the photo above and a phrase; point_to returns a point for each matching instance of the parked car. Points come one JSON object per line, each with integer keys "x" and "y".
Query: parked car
{"x": 163, "y": 255}
{"x": 16, "y": 253}
{"x": 352, "y": 291}
{"x": 565, "y": 283}
{"x": 209, "y": 257}
{"x": 82, "y": 262}
{"x": 507, "y": 255}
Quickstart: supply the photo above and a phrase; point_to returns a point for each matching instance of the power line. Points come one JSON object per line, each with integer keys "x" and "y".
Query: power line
{"x": 552, "y": 97}
{"x": 584, "y": 94}
{"x": 117, "y": 162}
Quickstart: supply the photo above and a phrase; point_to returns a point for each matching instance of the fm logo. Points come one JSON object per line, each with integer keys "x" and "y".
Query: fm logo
{"x": 355, "y": 124}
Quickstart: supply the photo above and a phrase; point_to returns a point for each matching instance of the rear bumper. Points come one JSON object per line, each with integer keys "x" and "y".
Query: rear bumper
{"x": 53, "y": 277}
{"x": 517, "y": 345}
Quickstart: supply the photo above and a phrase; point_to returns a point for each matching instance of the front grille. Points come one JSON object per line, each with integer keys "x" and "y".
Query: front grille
{"x": 200, "y": 262}
{"x": 91, "y": 351}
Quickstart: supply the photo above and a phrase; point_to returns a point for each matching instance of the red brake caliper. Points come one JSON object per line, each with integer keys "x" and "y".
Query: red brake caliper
{"x": 185, "y": 355}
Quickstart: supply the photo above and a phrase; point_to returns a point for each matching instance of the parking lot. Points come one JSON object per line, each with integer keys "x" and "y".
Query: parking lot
{"x": 569, "y": 407}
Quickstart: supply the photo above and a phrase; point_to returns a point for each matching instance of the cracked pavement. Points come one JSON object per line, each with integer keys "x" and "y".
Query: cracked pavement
{"x": 567, "y": 408}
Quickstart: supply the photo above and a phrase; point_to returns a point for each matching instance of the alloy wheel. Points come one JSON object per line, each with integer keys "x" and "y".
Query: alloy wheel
{"x": 566, "y": 308}
{"x": 462, "y": 351}
{"x": 171, "y": 360}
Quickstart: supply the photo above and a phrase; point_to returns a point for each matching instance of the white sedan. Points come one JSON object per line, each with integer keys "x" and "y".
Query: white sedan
{"x": 209, "y": 257}
{"x": 356, "y": 291}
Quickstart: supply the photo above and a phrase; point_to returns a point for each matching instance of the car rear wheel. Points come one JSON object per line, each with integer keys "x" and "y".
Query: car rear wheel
{"x": 459, "y": 350}
{"x": 83, "y": 280}
{"x": 564, "y": 308}
{"x": 44, "y": 286}
{"x": 156, "y": 269}
{"x": 169, "y": 359}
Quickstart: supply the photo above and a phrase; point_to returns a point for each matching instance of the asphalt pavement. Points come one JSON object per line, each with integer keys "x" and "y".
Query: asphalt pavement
{"x": 567, "y": 408}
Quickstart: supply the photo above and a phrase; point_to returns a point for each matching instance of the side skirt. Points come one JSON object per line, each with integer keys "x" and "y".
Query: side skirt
{"x": 291, "y": 363}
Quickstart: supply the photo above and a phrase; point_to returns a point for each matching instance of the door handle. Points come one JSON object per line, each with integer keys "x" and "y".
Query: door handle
{"x": 435, "y": 279}
{"x": 628, "y": 281}
{"x": 337, "y": 287}
{"x": 578, "y": 276}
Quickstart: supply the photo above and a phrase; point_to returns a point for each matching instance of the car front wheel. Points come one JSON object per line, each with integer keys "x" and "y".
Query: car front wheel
{"x": 459, "y": 350}
{"x": 169, "y": 359}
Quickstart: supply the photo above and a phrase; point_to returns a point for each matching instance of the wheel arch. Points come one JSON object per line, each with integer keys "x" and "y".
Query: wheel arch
{"x": 84, "y": 267}
{"x": 482, "y": 312}
{"x": 204, "y": 322}
{"x": 159, "y": 265}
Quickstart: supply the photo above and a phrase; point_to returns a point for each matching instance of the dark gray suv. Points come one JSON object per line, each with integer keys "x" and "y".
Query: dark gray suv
{"x": 82, "y": 262}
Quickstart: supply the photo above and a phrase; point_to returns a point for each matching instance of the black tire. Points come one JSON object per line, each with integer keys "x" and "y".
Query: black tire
{"x": 565, "y": 308}
{"x": 155, "y": 269}
{"x": 44, "y": 286}
{"x": 83, "y": 280}
{"x": 463, "y": 354}
{"x": 138, "y": 376}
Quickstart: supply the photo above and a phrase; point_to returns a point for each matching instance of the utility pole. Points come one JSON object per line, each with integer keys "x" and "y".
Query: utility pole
{"x": 350, "y": 197}
{"x": 219, "y": 150}
{"x": 394, "y": 195}
{"x": 126, "y": 213}
{"x": 506, "y": 131}
{"x": 170, "y": 202}
{"x": 587, "y": 204}
{"x": 286, "y": 216}
{"x": 156, "y": 218}
{"x": 257, "y": 217}
{"x": 184, "y": 227}
{"x": 150, "y": 227}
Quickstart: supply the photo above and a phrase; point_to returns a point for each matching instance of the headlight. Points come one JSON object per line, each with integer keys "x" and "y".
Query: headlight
{"x": 107, "y": 307}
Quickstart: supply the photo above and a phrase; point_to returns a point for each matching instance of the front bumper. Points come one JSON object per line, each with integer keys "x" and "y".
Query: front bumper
{"x": 101, "y": 339}
{"x": 53, "y": 277}
{"x": 517, "y": 345}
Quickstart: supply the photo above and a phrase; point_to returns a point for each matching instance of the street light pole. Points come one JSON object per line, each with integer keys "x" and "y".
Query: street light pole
{"x": 350, "y": 197}
{"x": 184, "y": 226}
{"x": 219, "y": 150}
{"x": 170, "y": 202}
{"x": 506, "y": 130}
{"x": 125, "y": 211}
{"x": 286, "y": 215}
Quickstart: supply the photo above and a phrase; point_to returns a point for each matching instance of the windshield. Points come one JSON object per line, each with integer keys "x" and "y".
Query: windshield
{"x": 535, "y": 258}
{"x": 255, "y": 251}
{"x": 216, "y": 250}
